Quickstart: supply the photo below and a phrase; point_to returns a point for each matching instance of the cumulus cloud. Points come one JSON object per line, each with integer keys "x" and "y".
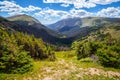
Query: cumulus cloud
{"x": 109, "y": 12}
{"x": 52, "y": 15}
{"x": 48, "y": 13}
{"x": 12, "y": 8}
{"x": 7, "y": 6}
{"x": 31, "y": 8}
{"x": 103, "y": 2}
{"x": 76, "y": 3}
{"x": 81, "y": 3}
{"x": 79, "y": 13}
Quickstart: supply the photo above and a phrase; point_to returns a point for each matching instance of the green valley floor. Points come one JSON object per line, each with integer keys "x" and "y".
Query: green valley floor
{"x": 66, "y": 67}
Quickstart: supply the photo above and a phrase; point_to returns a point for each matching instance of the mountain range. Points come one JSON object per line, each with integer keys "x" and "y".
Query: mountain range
{"x": 74, "y": 26}
{"x": 62, "y": 32}
{"x": 31, "y": 26}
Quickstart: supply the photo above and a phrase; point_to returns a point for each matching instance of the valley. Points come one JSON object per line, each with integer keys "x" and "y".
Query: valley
{"x": 59, "y": 39}
{"x": 71, "y": 49}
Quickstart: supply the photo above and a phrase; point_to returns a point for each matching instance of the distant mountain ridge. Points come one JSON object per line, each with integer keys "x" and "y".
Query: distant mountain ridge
{"x": 64, "y": 23}
{"x": 72, "y": 26}
{"x": 30, "y": 21}
{"x": 23, "y": 17}
{"x": 68, "y": 30}
{"x": 36, "y": 29}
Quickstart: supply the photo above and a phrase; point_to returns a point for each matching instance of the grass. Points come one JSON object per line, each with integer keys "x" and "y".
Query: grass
{"x": 65, "y": 67}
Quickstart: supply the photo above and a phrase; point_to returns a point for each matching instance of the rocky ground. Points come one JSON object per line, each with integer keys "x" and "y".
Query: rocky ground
{"x": 63, "y": 70}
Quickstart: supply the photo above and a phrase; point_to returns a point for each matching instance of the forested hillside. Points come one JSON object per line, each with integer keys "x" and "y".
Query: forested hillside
{"x": 102, "y": 45}
{"x": 94, "y": 51}
{"x": 59, "y": 39}
{"x": 17, "y": 51}
{"x": 36, "y": 29}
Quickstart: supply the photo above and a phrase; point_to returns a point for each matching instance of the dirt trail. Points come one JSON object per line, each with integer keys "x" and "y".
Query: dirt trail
{"x": 68, "y": 71}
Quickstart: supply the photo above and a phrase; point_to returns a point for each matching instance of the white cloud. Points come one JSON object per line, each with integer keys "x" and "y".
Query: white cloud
{"x": 81, "y": 3}
{"x": 76, "y": 3}
{"x": 109, "y": 12}
{"x": 12, "y": 8}
{"x": 15, "y": 13}
{"x": 55, "y": 15}
{"x": 103, "y": 2}
{"x": 79, "y": 13}
{"x": 48, "y": 13}
{"x": 65, "y": 5}
{"x": 31, "y": 8}
{"x": 7, "y": 6}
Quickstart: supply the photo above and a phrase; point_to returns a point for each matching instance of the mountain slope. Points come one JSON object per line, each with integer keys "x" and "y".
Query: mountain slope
{"x": 23, "y": 17}
{"x": 74, "y": 26}
{"x": 32, "y": 26}
{"x": 32, "y": 22}
{"x": 36, "y": 29}
{"x": 65, "y": 23}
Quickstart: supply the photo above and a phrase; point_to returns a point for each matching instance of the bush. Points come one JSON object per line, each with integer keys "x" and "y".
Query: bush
{"x": 109, "y": 58}
{"x": 12, "y": 58}
{"x": 15, "y": 63}
{"x": 23, "y": 63}
{"x": 18, "y": 49}
{"x": 105, "y": 45}
{"x": 86, "y": 49}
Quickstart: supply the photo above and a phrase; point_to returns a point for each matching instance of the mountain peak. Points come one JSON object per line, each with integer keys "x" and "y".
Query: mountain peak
{"x": 73, "y": 25}
{"x": 23, "y": 17}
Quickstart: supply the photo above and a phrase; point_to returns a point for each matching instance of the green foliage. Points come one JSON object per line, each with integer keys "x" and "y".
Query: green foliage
{"x": 18, "y": 49}
{"x": 102, "y": 43}
{"x": 50, "y": 53}
{"x": 20, "y": 63}
{"x": 36, "y": 47}
{"x": 88, "y": 59}
{"x": 86, "y": 49}
{"x": 12, "y": 58}
{"x": 109, "y": 56}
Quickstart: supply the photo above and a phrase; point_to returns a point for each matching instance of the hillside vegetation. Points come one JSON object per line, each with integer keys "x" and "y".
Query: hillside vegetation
{"x": 80, "y": 27}
{"x": 104, "y": 44}
{"x": 66, "y": 67}
{"x": 18, "y": 49}
{"x": 25, "y": 53}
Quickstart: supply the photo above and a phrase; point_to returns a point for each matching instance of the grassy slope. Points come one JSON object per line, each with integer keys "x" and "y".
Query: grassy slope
{"x": 24, "y": 18}
{"x": 66, "y": 67}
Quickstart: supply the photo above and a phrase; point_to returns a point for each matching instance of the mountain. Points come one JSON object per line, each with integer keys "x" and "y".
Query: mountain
{"x": 65, "y": 24}
{"x": 70, "y": 29}
{"x": 74, "y": 26}
{"x": 31, "y": 26}
{"x": 23, "y": 17}
{"x": 32, "y": 22}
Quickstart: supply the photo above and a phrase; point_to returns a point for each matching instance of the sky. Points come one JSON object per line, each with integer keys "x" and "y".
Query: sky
{"x": 51, "y": 11}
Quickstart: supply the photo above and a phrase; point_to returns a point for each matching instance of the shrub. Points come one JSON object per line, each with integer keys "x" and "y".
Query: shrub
{"x": 19, "y": 63}
{"x": 86, "y": 49}
{"x": 12, "y": 58}
{"x": 109, "y": 58}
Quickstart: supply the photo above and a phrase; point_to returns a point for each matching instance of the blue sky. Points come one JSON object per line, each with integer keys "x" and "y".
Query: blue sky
{"x": 50, "y": 11}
